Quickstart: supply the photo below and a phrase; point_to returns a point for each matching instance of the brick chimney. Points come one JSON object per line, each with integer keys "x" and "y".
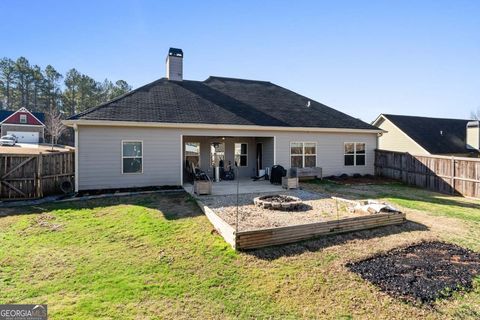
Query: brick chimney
{"x": 175, "y": 64}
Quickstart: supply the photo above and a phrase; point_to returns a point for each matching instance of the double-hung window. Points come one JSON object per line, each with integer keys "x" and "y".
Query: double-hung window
{"x": 132, "y": 157}
{"x": 303, "y": 154}
{"x": 354, "y": 154}
{"x": 23, "y": 118}
{"x": 241, "y": 154}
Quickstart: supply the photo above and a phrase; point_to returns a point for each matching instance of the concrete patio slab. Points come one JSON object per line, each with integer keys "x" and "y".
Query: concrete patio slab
{"x": 244, "y": 186}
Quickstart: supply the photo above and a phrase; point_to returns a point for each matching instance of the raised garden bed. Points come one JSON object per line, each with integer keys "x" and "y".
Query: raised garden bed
{"x": 257, "y": 226}
{"x": 423, "y": 272}
{"x": 315, "y": 208}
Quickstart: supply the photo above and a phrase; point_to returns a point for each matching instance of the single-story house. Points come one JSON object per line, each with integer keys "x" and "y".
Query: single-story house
{"x": 150, "y": 136}
{"x": 428, "y": 136}
{"x": 27, "y": 126}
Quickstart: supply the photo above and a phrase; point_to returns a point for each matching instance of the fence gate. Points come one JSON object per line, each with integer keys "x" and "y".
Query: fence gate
{"x": 34, "y": 176}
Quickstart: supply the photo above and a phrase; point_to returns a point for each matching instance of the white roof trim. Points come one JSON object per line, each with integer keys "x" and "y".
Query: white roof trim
{"x": 22, "y": 125}
{"x": 23, "y": 109}
{"x": 209, "y": 126}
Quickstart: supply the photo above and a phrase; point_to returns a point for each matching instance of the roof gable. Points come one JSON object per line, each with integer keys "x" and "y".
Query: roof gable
{"x": 436, "y": 135}
{"x": 13, "y": 117}
{"x": 221, "y": 101}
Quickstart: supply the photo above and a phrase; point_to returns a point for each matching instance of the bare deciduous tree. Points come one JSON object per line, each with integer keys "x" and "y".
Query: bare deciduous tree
{"x": 54, "y": 125}
{"x": 475, "y": 115}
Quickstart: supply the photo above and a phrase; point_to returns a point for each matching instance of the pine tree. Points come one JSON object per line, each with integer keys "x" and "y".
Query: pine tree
{"x": 52, "y": 88}
{"x": 7, "y": 73}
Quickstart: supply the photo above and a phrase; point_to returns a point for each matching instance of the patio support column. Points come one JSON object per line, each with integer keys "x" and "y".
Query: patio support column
{"x": 274, "y": 150}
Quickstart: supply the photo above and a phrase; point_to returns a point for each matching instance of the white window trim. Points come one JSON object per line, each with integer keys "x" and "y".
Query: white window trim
{"x": 354, "y": 154}
{"x": 23, "y": 116}
{"x": 122, "y": 157}
{"x": 199, "y": 151}
{"x": 303, "y": 153}
{"x": 241, "y": 154}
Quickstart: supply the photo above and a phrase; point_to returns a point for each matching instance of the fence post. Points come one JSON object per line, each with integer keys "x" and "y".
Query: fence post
{"x": 39, "y": 188}
{"x": 453, "y": 175}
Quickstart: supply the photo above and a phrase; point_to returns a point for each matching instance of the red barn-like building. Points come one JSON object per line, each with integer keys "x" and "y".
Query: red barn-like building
{"x": 28, "y": 127}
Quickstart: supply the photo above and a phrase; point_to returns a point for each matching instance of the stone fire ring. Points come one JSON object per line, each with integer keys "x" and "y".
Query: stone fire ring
{"x": 278, "y": 202}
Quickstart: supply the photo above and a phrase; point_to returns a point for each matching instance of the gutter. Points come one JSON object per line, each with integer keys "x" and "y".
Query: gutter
{"x": 109, "y": 123}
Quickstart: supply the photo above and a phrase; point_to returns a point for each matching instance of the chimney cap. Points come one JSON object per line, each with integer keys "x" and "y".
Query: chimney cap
{"x": 473, "y": 124}
{"x": 175, "y": 52}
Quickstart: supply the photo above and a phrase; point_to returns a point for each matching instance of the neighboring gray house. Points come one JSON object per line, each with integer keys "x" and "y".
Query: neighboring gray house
{"x": 147, "y": 136}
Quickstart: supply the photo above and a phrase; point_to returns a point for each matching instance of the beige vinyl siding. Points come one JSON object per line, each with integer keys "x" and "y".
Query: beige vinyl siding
{"x": 268, "y": 156}
{"x": 99, "y": 153}
{"x": 396, "y": 140}
{"x": 473, "y": 137}
{"x": 330, "y": 147}
{"x": 330, "y": 150}
{"x": 100, "y": 157}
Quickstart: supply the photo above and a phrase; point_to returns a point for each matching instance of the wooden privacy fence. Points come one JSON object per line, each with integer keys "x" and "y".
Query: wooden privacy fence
{"x": 443, "y": 174}
{"x": 27, "y": 176}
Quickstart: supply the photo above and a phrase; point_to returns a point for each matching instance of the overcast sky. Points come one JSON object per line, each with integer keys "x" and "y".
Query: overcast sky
{"x": 401, "y": 57}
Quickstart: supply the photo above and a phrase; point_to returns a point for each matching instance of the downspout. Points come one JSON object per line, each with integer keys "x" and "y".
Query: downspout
{"x": 75, "y": 128}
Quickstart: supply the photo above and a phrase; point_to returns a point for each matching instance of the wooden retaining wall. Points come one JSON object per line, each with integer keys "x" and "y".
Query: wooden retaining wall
{"x": 223, "y": 228}
{"x": 243, "y": 240}
{"x": 450, "y": 175}
{"x": 281, "y": 235}
{"x": 29, "y": 176}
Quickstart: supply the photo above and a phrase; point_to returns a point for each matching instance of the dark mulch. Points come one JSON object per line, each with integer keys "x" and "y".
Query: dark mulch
{"x": 422, "y": 272}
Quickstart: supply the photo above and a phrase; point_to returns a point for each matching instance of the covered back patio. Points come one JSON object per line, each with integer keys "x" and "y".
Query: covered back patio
{"x": 236, "y": 157}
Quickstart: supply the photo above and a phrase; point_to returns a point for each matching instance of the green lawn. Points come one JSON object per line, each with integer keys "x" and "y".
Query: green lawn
{"x": 156, "y": 256}
{"x": 408, "y": 197}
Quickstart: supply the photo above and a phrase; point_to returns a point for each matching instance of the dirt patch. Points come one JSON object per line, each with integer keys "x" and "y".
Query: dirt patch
{"x": 316, "y": 208}
{"x": 47, "y": 221}
{"x": 423, "y": 272}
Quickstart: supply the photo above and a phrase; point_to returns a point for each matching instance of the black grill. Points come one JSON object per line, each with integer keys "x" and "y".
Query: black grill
{"x": 277, "y": 173}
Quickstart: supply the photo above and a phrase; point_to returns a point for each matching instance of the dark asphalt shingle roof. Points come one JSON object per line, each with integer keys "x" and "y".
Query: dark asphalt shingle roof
{"x": 221, "y": 101}
{"x": 4, "y": 114}
{"x": 436, "y": 135}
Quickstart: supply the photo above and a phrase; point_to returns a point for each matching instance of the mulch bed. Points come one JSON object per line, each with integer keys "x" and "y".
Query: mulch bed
{"x": 422, "y": 272}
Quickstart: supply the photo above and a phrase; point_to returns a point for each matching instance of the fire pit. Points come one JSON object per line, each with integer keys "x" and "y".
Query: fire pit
{"x": 278, "y": 202}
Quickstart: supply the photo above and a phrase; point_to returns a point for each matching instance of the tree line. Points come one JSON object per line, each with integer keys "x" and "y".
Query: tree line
{"x": 47, "y": 90}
